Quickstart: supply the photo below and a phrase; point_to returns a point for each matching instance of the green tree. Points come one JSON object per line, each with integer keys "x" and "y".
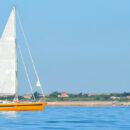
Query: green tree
{"x": 54, "y": 94}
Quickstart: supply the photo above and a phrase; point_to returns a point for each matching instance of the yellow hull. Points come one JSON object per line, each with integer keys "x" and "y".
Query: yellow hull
{"x": 23, "y": 106}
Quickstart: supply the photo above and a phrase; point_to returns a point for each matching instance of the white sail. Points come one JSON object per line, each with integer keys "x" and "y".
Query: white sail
{"x": 8, "y": 55}
{"x": 38, "y": 83}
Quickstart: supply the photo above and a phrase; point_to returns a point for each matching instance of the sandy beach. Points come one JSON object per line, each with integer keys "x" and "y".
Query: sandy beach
{"x": 87, "y": 103}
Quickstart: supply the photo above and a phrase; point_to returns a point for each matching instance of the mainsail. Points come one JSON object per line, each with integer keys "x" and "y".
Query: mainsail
{"x": 8, "y": 57}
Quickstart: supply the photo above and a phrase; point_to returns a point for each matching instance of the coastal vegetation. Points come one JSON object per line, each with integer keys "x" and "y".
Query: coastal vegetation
{"x": 58, "y": 96}
{"x": 64, "y": 96}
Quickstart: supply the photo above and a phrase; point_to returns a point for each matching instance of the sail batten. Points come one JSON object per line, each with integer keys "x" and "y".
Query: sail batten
{"x": 8, "y": 64}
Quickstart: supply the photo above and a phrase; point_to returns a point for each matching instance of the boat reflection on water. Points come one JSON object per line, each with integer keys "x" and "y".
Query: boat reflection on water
{"x": 9, "y": 114}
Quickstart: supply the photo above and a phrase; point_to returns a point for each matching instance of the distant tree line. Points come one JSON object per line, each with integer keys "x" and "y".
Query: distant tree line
{"x": 87, "y": 97}
{"x": 54, "y": 96}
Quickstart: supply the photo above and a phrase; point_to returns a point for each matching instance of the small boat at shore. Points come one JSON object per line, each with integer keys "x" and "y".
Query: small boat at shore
{"x": 8, "y": 69}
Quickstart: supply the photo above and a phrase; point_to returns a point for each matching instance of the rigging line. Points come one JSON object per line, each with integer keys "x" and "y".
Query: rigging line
{"x": 25, "y": 68}
{"x": 27, "y": 45}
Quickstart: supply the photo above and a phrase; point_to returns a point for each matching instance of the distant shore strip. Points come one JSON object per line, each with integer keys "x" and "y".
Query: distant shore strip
{"x": 88, "y": 103}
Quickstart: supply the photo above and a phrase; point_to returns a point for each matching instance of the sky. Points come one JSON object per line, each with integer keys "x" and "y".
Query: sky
{"x": 77, "y": 45}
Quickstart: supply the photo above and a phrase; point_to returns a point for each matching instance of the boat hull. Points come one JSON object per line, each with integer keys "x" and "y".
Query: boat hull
{"x": 23, "y": 106}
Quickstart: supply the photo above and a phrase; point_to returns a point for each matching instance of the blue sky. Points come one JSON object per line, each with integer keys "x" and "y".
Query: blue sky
{"x": 77, "y": 45}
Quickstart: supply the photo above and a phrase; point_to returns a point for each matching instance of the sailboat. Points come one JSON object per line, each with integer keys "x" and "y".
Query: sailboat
{"x": 8, "y": 70}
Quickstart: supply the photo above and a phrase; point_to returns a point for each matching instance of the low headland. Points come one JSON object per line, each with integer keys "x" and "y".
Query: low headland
{"x": 81, "y": 99}
{"x": 91, "y": 99}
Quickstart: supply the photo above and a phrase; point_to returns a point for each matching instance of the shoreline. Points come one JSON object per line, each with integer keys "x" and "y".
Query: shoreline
{"x": 88, "y": 103}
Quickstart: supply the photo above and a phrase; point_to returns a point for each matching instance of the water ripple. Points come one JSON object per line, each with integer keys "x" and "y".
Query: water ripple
{"x": 99, "y": 118}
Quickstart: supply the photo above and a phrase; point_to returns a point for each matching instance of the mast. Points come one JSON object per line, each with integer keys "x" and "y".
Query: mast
{"x": 16, "y": 61}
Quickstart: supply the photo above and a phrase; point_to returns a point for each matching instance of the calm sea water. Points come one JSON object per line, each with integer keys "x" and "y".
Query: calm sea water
{"x": 76, "y": 118}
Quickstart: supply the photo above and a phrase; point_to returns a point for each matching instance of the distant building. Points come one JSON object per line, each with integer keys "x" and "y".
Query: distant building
{"x": 106, "y": 93}
{"x": 63, "y": 94}
{"x": 20, "y": 95}
{"x": 5, "y": 95}
{"x": 29, "y": 96}
{"x": 46, "y": 95}
{"x": 113, "y": 97}
{"x": 128, "y": 97}
{"x": 92, "y": 94}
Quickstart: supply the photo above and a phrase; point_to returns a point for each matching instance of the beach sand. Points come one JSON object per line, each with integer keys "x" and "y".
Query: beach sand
{"x": 87, "y": 103}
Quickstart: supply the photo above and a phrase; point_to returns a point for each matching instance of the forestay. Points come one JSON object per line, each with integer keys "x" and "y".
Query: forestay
{"x": 8, "y": 57}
